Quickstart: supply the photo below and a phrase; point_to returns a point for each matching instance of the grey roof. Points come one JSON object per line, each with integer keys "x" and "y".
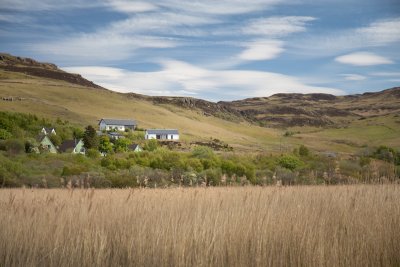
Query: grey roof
{"x": 162, "y": 131}
{"x": 68, "y": 144}
{"x": 133, "y": 146}
{"x": 119, "y": 122}
{"x": 115, "y": 134}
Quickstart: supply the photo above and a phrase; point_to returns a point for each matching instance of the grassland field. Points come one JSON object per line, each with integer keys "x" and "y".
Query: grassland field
{"x": 226, "y": 226}
{"x": 83, "y": 106}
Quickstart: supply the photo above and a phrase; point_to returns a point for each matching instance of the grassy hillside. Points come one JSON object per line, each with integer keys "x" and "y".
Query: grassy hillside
{"x": 83, "y": 105}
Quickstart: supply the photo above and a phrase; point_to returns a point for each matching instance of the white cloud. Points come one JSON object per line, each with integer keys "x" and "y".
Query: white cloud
{"x": 377, "y": 34}
{"x": 121, "y": 39}
{"x": 100, "y": 47}
{"x": 354, "y": 77}
{"x": 45, "y": 5}
{"x": 262, "y": 50}
{"x": 220, "y": 7}
{"x": 380, "y": 32}
{"x": 363, "y": 59}
{"x": 386, "y": 74}
{"x": 131, "y": 6}
{"x": 277, "y": 26}
{"x": 161, "y": 23}
{"x": 181, "y": 78}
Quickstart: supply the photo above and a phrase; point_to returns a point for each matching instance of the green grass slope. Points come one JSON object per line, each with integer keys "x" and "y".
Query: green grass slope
{"x": 86, "y": 105}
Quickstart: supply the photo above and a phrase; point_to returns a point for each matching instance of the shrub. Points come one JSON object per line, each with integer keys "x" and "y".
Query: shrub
{"x": 92, "y": 153}
{"x": 212, "y": 176}
{"x": 15, "y": 146}
{"x": 193, "y": 164}
{"x": 4, "y": 134}
{"x": 304, "y": 151}
{"x": 203, "y": 152}
{"x": 290, "y": 162}
{"x": 151, "y": 145}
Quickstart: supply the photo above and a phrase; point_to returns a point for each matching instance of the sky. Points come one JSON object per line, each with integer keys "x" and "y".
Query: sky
{"x": 212, "y": 49}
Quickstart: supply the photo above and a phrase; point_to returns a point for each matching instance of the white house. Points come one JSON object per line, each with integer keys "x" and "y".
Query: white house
{"x": 116, "y": 124}
{"x": 162, "y": 134}
{"x": 48, "y": 131}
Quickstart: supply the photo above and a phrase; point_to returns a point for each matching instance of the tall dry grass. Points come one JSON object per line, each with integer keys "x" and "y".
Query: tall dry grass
{"x": 291, "y": 226}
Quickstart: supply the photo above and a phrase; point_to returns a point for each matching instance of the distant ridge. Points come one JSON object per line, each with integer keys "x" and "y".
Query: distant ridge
{"x": 39, "y": 69}
{"x": 279, "y": 110}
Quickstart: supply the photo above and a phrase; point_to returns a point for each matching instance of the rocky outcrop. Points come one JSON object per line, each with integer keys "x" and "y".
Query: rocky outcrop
{"x": 46, "y": 70}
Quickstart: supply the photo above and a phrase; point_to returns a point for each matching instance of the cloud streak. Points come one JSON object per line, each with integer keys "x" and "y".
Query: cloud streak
{"x": 182, "y": 78}
{"x": 262, "y": 50}
{"x": 363, "y": 59}
{"x": 277, "y": 26}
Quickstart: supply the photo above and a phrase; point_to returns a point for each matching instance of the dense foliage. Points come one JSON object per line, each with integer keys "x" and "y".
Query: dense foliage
{"x": 160, "y": 166}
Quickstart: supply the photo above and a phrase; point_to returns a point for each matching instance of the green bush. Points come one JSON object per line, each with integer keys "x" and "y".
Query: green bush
{"x": 290, "y": 162}
{"x": 92, "y": 153}
{"x": 304, "y": 151}
{"x": 4, "y": 134}
{"x": 15, "y": 146}
{"x": 212, "y": 177}
{"x": 151, "y": 145}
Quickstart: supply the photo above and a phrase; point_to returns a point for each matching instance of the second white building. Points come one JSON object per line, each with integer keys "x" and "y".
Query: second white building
{"x": 162, "y": 134}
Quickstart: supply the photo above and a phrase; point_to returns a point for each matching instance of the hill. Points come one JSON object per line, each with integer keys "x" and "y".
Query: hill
{"x": 277, "y": 123}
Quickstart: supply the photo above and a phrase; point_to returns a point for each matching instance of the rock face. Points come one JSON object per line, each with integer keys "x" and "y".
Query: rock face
{"x": 45, "y": 70}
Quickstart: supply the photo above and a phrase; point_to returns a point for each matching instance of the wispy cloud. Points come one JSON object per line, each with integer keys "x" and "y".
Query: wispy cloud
{"x": 386, "y": 74}
{"x": 262, "y": 50}
{"x": 125, "y": 6}
{"x": 363, "y": 59}
{"x": 181, "y": 78}
{"x": 220, "y": 7}
{"x": 100, "y": 47}
{"x": 45, "y": 5}
{"x": 377, "y": 34}
{"x": 277, "y": 26}
{"x": 354, "y": 77}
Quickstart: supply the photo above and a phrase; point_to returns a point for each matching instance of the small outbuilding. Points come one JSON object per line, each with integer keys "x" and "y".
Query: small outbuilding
{"x": 162, "y": 134}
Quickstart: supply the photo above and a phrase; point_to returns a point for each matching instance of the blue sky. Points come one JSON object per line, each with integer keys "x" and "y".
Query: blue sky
{"x": 212, "y": 49}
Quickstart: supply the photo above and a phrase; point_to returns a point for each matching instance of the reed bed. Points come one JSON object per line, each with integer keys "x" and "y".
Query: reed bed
{"x": 240, "y": 226}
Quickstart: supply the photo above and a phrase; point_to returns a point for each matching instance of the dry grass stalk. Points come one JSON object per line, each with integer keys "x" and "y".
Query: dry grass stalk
{"x": 247, "y": 226}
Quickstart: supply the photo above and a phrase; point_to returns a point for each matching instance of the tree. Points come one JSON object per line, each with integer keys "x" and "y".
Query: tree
{"x": 121, "y": 145}
{"x": 90, "y": 138}
{"x": 77, "y": 133}
{"x": 105, "y": 145}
